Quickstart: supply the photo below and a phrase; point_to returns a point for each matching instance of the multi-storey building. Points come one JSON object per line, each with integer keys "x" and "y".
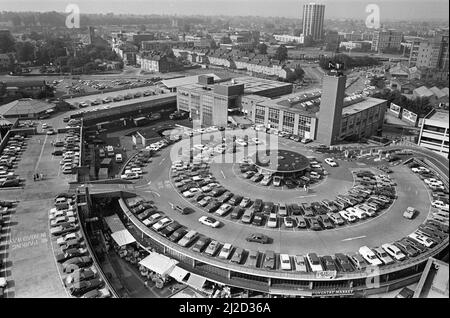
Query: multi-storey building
{"x": 431, "y": 53}
{"x": 208, "y": 101}
{"x": 289, "y": 38}
{"x": 386, "y": 40}
{"x": 313, "y": 16}
{"x": 326, "y": 116}
{"x": 434, "y": 132}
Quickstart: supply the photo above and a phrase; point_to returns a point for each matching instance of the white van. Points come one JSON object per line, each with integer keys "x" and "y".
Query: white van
{"x": 314, "y": 262}
{"x": 118, "y": 157}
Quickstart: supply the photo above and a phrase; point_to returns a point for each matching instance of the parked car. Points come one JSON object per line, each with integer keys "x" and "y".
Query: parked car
{"x": 300, "y": 263}
{"x": 238, "y": 255}
{"x": 226, "y": 250}
{"x": 269, "y": 260}
{"x": 285, "y": 262}
{"x": 314, "y": 262}
{"x": 212, "y": 248}
{"x": 252, "y": 259}
{"x": 383, "y": 256}
{"x": 343, "y": 262}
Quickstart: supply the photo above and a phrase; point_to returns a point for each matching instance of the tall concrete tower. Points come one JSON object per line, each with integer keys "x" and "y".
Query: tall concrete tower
{"x": 313, "y": 16}
{"x": 330, "y": 113}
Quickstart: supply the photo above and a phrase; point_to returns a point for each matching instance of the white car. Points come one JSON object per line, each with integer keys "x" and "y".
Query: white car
{"x": 394, "y": 251}
{"x": 161, "y": 223}
{"x": 440, "y": 205}
{"x": 266, "y": 181}
{"x": 225, "y": 251}
{"x": 331, "y": 162}
{"x": 359, "y": 213}
{"x": 369, "y": 256}
{"x": 245, "y": 202}
{"x": 272, "y": 221}
{"x": 190, "y": 193}
{"x": 422, "y": 239}
{"x": 241, "y": 142}
{"x": 367, "y": 209}
{"x": 224, "y": 209}
{"x": 348, "y": 216}
{"x": 314, "y": 262}
{"x": 277, "y": 181}
{"x": 285, "y": 262}
{"x": 137, "y": 170}
{"x": 288, "y": 222}
{"x": 209, "y": 221}
{"x": 316, "y": 166}
{"x": 433, "y": 181}
{"x": 130, "y": 176}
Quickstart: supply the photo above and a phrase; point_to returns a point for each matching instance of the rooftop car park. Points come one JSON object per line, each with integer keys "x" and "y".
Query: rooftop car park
{"x": 349, "y": 205}
{"x": 380, "y": 199}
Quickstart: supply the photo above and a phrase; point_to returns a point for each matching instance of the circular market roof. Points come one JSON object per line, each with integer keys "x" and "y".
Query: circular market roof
{"x": 280, "y": 160}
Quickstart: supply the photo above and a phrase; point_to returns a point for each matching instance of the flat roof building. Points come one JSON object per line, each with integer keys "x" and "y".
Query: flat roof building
{"x": 434, "y": 132}
{"x": 208, "y": 101}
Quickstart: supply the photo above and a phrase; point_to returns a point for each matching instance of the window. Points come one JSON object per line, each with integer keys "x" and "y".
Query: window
{"x": 288, "y": 122}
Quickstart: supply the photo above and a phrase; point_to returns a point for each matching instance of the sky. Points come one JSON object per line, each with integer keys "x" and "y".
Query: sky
{"x": 352, "y": 9}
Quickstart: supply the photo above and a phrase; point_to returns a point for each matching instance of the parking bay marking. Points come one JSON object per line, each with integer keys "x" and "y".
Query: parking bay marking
{"x": 353, "y": 238}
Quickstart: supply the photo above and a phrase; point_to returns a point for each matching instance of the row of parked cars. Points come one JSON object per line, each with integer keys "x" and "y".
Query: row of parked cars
{"x": 69, "y": 150}
{"x": 5, "y": 209}
{"x": 312, "y": 175}
{"x": 283, "y": 134}
{"x": 118, "y": 98}
{"x": 9, "y": 157}
{"x": 386, "y": 254}
{"x": 370, "y": 195}
{"x": 440, "y": 200}
{"x": 82, "y": 279}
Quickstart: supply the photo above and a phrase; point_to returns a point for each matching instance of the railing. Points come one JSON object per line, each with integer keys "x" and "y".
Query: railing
{"x": 269, "y": 273}
{"x": 91, "y": 250}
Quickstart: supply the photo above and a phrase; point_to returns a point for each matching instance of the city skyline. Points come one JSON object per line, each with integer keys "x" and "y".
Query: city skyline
{"x": 351, "y": 9}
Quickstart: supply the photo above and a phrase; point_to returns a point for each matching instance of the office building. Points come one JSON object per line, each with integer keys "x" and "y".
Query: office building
{"x": 313, "y": 16}
{"x": 326, "y": 116}
{"x": 209, "y": 101}
{"x": 386, "y": 40}
{"x": 430, "y": 53}
{"x": 434, "y": 132}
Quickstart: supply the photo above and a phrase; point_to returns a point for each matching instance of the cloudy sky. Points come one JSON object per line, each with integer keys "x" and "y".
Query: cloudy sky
{"x": 390, "y": 9}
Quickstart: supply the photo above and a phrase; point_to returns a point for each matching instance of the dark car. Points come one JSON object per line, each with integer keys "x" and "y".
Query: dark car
{"x": 326, "y": 222}
{"x": 213, "y": 206}
{"x": 269, "y": 260}
{"x": 290, "y": 184}
{"x": 225, "y": 197}
{"x": 406, "y": 249}
{"x": 178, "y": 234}
{"x": 268, "y": 207}
{"x": 328, "y": 263}
{"x": 238, "y": 255}
{"x": 237, "y": 213}
{"x": 186, "y": 210}
{"x": 217, "y": 192}
{"x": 259, "y": 238}
{"x": 258, "y": 219}
{"x": 57, "y": 153}
{"x": 69, "y": 253}
{"x": 415, "y": 244}
{"x": 10, "y": 183}
{"x": 169, "y": 229}
{"x": 201, "y": 244}
{"x": 314, "y": 224}
{"x": 235, "y": 200}
{"x": 295, "y": 209}
{"x": 343, "y": 262}
{"x": 257, "y": 206}
{"x": 84, "y": 286}
{"x": 142, "y": 216}
{"x": 75, "y": 263}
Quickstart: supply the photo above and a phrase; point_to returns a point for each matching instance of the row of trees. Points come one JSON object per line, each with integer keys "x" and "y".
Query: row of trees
{"x": 420, "y": 106}
{"x": 349, "y": 62}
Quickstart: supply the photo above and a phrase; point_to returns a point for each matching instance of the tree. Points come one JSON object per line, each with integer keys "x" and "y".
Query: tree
{"x": 6, "y": 43}
{"x": 282, "y": 53}
{"x": 25, "y": 51}
{"x": 262, "y": 48}
{"x": 225, "y": 40}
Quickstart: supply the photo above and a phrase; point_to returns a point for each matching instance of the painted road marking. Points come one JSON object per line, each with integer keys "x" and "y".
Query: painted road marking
{"x": 40, "y": 155}
{"x": 307, "y": 196}
{"x": 162, "y": 161}
{"x": 353, "y": 238}
{"x": 223, "y": 174}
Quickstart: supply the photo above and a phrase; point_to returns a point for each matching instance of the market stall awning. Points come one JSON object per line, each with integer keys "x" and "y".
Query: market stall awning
{"x": 114, "y": 223}
{"x": 196, "y": 281}
{"x": 159, "y": 263}
{"x": 123, "y": 237}
{"x": 178, "y": 274}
